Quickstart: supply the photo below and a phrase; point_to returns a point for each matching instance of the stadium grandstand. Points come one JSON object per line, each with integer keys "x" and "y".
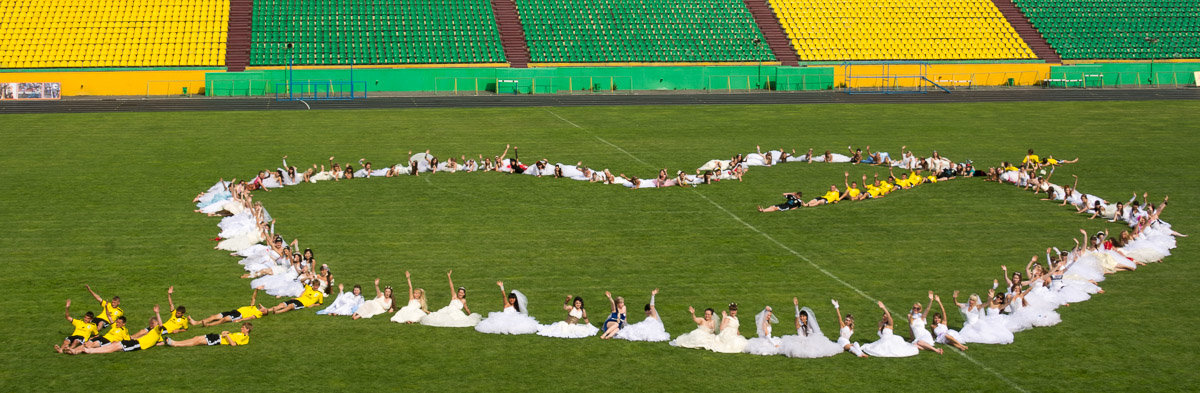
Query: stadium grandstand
{"x": 244, "y": 47}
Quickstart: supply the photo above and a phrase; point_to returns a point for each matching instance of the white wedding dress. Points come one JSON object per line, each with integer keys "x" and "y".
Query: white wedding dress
{"x": 451, "y": 316}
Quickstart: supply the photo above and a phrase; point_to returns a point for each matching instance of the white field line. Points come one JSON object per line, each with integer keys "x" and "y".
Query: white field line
{"x": 789, "y": 250}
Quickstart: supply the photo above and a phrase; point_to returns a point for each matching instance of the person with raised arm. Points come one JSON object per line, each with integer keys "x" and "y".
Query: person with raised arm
{"x": 416, "y": 309}
{"x": 109, "y": 309}
{"x": 244, "y": 313}
{"x": 576, "y": 325}
{"x": 383, "y": 302}
{"x": 944, "y": 334}
{"x": 616, "y": 318}
{"x": 649, "y": 329}
{"x": 703, "y": 337}
{"x": 916, "y": 322}
{"x": 85, "y": 328}
{"x": 764, "y": 343}
{"x": 178, "y": 320}
{"x": 889, "y": 345}
{"x": 729, "y": 339}
{"x": 145, "y": 339}
{"x": 809, "y": 341}
{"x": 512, "y": 319}
{"x": 456, "y": 314}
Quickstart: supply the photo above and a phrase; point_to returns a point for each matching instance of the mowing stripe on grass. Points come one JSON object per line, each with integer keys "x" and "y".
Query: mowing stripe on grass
{"x": 788, "y": 249}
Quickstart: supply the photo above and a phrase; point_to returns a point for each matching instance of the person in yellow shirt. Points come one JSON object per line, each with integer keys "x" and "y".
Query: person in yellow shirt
{"x": 915, "y": 179}
{"x": 178, "y": 321}
{"x": 117, "y": 332}
{"x": 254, "y": 310}
{"x": 306, "y": 299}
{"x": 852, "y": 192}
{"x": 84, "y": 329}
{"x": 833, "y": 196}
{"x": 874, "y": 190}
{"x": 1031, "y": 160}
{"x": 1051, "y": 161}
{"x": 225, "y": 338}
{"x": 109, "y": 309}
{"x": 145, "y": 339}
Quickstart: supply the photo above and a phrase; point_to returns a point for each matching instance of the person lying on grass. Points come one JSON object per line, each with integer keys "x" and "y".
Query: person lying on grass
{"x": 145, "y": 339}
{"x": 244, "y": 313}
{"x": 225, "y": 338}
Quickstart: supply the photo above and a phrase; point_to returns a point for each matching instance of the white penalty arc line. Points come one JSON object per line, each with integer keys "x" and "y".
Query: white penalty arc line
{"x": 788, "y": 249}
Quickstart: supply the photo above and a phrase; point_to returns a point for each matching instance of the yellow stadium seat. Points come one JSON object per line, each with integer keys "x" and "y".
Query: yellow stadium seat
{"x": 105, "y": 33}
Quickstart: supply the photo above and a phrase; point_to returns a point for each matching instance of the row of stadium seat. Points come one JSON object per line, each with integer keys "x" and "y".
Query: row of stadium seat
{"x": 1117, "y": 29}
{"x": 641, "y": 30}
{"x": 899, "y": 30}
{"x": 129, "y": 33}
{"x": 374, "y": 32}
{"x": 103, "y": 33}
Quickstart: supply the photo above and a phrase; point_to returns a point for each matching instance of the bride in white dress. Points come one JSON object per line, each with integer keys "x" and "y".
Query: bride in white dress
{"x": 416, "y": 308}
{"x": 649, "y": 329}
{"x": 889, "y": 345}
{"x": 702, "y": 337}
{"x": 764, "y": 344}
{"x": 346, "y": 303}
{"x": 916, "y": 323}
{"x": 382, "y": 303}
{"x": 571, "y": 327}
{"x": 729, "y": 340}
{"x": 810, "y": 342}
{"x": 513, "y": 319}
{"x": 979, "y": 328}
{"x": 456, "y": 314}
{"x": 943, "y": 333}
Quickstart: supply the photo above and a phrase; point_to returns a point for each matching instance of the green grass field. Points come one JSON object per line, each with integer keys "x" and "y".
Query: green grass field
{"x": 105, "y": 199}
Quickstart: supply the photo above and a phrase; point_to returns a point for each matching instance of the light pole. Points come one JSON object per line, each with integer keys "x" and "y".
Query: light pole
{"x": 291, "y": 61}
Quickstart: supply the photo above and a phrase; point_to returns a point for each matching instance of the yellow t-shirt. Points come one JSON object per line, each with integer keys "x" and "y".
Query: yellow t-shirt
{"x": 310, "y": 297}
{"x": 1031, "y": 158}
{"x": 176, "y": 323}
{"x": 853, "y": 192}
{"x": 832, "y": 196}
{"x": 249, "y": 312}
{"x": 84, "y": 329}
{"x": 903, "y": 183}
{"x": 1010, "y": 168}
{"x": 238, "y": 338}
{"x": 116, "y": 334}
{"x": 151, "y": 338}
{"x": 914, "y": 179}
{"x": 874, "y": 191}
{"x": 931, "y": 179}
{"x": 108, "y": 310}
{"x": 1051, "y": 161}
{"x": 886, "y": 187}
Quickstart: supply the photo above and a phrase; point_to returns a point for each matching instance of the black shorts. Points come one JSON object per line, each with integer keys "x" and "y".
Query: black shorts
{"x": 100, "y": 340}
{"x": 130, "y": 345}
{"x": 213, "y": 338}
{"x": 73, "y": 338}
{"x": 295, "y": 303}
{"x": 232, "y": 315}
{"x": 823, "y": 199}
{"x": 100, "y": 323}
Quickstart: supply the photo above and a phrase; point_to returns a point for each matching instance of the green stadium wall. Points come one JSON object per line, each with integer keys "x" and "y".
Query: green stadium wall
{"x": 529, "y": 80}
{"x": 1124, "y": 74}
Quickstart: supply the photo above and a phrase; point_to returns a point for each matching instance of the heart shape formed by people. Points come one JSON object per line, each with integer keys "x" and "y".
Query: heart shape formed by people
{"x": 1071, "y": 279}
